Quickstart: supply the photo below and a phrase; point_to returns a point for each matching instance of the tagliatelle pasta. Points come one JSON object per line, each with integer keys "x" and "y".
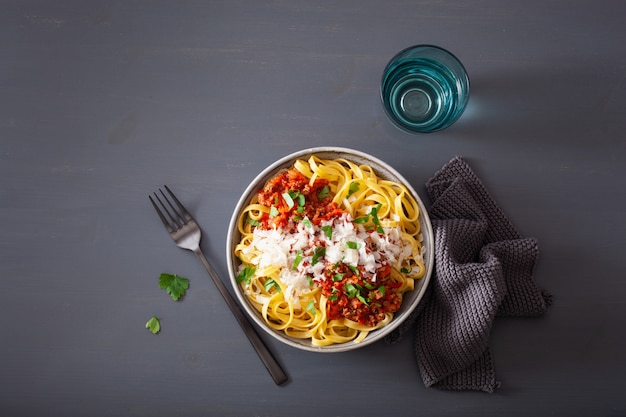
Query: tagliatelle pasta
{"x": 328, "y": 249}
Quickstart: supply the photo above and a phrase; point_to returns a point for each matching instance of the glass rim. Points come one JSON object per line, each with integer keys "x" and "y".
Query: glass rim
{"x": 425, "y": 46}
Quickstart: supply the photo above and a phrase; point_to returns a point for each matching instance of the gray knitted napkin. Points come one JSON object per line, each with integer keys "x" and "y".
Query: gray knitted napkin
{"x": 483, "y": 269}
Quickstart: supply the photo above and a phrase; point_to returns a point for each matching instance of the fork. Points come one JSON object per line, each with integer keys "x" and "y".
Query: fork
{"x": 186, "y": 233}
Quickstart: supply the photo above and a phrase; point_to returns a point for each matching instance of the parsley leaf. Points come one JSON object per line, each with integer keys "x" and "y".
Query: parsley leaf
{"x": 296, "y": 262}
{"x": 324, "y": 192}
{"x": 362, "y": 299}
{"x": 301, "y": 200}
{"x": 246, "y": 274}
{"x": 311, "y": 307}
{"x": 369, "y": 286}
{"x": 351, "y": 290}
{"x": 361, "y": 220}
{"x": 319, "y": 252}
{"x": 174, "y": 285}
{"x": 353, "y": 188}
{"x": 375, "y": 219}
{"x": 353, "y": 245}
{"x": 354, "y": 269}
{"x": 288, "y": 199}
{"x": 270, "y": 283}
{"x": 292, "y": 197}
{"x": 253, "y": 222}
{"x": 337, "y": 277}
{"x": 328, "y": 231}
{"x": 153, "y": 325}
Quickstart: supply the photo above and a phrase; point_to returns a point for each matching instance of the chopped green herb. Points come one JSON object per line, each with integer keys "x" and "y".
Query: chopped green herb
{"x": 354, "y": 269}
{"x": 361, "y": 220}
{"x": 288, "y": 200}
{"x": 351, "y": 290}
{"x": 174, "y": 285}
{"x": 311, "y": 307}
{"x": 273, "y": 212}
{"x": 337, "y": 277}
{"x": 319, "y": 252}
{"x": 328, "y": 231}
{"x": 354, "y": 187}
{"x": 301, "y": 200}
{"x": 369, "y": 286}
{"x": 375, "y": 219}
{"x": 333, "y": 297}
{"x": 307, "y": 223}
{"x": 353, "y": 245}
{"x": 153, "y": 325}
{"x": 362, "y": 299}
{"x": 296, "y": 262}
{"x": 270, "y": 283}
{"x": 246, "y": 274}
{"x": 253, "y": 222}
{"x": 382, "y": 290}
{"x": 324, "y": 192}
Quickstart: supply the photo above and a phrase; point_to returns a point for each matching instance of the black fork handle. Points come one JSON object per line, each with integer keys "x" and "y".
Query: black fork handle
{"x": 266, "y": 356}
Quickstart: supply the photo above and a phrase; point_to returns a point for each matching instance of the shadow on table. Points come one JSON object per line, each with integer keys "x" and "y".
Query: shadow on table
{"x": 541, "y": 103}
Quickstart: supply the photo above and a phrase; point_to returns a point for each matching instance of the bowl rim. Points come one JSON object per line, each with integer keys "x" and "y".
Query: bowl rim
{"x": 233, "y": 238}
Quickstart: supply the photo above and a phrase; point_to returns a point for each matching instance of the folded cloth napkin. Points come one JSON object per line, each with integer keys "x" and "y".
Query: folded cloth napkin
{"x": 483, "y": 269}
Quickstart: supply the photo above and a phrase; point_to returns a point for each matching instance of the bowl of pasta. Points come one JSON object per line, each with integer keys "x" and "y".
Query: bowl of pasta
{"x": 329, "y": 249}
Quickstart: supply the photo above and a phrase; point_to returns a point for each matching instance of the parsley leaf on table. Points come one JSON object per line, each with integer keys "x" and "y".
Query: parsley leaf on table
{"x": 153, "y": 325}
{"x": 174, "y": 285}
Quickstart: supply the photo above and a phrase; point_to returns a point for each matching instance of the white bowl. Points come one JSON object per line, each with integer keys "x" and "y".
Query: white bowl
{"x": 410, "y": 299}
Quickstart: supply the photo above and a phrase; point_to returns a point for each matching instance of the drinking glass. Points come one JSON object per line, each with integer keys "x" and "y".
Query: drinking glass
{"x": 424, "y": 88}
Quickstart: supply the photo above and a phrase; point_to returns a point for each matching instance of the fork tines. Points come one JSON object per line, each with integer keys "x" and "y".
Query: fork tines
{"x": 178, "y": 215}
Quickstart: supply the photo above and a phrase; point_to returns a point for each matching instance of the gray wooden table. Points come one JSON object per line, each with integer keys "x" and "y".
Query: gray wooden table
{"x": 101, "y": 102}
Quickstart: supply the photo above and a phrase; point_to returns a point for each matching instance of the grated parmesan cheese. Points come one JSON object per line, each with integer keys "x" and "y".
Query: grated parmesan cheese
{"x": 280, "y": 248}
